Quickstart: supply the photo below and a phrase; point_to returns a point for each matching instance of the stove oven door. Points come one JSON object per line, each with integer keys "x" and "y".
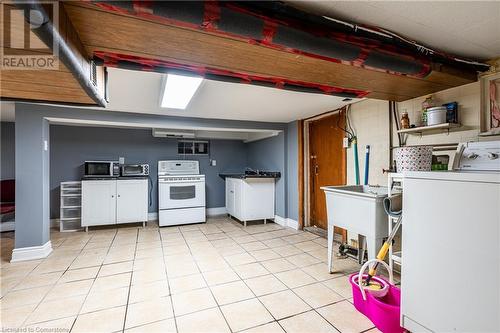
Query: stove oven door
{"x": 181, "y": 194}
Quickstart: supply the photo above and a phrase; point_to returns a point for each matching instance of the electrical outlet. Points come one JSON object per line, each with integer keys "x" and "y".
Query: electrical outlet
{"x": 213, "y": 162}
{"x": 346, "y": 143}
{"x": 121, "y": 160}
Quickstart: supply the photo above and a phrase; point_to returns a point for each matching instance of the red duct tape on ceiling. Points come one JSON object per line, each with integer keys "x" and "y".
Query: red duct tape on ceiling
{"x": 235, "y": 20}
{"x": 153, "y": 65}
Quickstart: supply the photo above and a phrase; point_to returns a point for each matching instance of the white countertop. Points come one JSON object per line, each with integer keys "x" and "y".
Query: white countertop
{"x": 483, "y": 177}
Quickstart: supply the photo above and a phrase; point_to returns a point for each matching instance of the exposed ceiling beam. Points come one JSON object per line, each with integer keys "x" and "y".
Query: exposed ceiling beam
{"x": 113, "y": 32}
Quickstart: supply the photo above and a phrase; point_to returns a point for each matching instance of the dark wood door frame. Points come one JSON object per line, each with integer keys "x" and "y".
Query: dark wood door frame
{"x": 303, "y": 167}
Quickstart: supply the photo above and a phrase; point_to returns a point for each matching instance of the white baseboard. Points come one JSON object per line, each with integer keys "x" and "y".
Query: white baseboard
{"x": 31, "y": 252}
{"x": 210, "y": 212}
{"x": 286, "y": 222}
{"x": 153, "y": 216}
{"x": 216, "y": 211}
{"x": 7, "y": 226}
{"x": 280, "y": 220}
{"x": 291, "y": 223}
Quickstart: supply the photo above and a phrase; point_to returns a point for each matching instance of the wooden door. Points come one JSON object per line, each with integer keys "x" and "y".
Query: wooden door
{"x": 98, "y": 202}
{"x": 327, "y": 164}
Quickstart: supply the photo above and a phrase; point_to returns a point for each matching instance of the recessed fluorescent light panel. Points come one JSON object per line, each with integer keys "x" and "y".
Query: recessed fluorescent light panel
{"x": 178, "y": 90}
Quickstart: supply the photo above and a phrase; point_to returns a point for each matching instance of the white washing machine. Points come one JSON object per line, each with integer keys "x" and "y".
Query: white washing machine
{"x": 450, "y": 278}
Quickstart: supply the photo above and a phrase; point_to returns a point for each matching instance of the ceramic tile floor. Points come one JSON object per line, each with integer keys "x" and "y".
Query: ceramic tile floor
{"x": 213, "y": 277}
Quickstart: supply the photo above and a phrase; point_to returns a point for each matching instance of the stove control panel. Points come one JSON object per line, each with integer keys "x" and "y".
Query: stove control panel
{"x": 178, "y": 167}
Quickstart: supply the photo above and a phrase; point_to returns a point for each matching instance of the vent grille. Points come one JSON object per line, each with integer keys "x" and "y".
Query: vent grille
{"x": 93, "y": 72}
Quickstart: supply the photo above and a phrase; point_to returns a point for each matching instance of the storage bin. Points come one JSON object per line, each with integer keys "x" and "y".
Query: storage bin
{"x": 71, "y": 191}
{"x": 436, "y": 115}
{"x": 70, "y": 213}
{"x": 71, "y": 201}
{"x": 414, "y": 158}
{"x": 70, "y": 225}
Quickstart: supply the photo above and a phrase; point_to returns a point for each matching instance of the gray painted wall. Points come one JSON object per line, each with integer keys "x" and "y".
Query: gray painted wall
{"x": 71, "y": 146}
{"x": 32, "y": 176}
{"x": 8, "y": 146}
{"x": 269, "y": 154}
{"x": 32, "y": 160}
{"x": 292, "y": 171}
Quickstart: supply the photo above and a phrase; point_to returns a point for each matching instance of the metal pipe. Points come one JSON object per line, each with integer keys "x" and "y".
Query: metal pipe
{"x": 391, "y": 140}
{"x": 41, "y": 26}
{"x": 392, "y": 105}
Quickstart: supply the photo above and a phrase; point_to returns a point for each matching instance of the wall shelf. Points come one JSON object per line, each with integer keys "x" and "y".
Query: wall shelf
{"x": 432, "y": 129}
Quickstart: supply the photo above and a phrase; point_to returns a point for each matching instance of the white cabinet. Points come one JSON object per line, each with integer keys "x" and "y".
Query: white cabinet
{"x": 131, "y": 200}
{"x": 98, "y": 202}
{"x": 250, "y": 199}
{"x": 230, "y": 196}
{"x": 114, "y": 201}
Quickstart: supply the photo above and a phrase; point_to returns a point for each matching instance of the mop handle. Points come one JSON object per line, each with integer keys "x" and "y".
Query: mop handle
{"x": 356, "y": 163}
{"x": 367, "y": 163}
{"x": 383, "y": 250}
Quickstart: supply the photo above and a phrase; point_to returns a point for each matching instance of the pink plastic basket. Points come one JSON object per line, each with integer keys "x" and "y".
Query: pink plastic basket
{"x": 384, "y": 312}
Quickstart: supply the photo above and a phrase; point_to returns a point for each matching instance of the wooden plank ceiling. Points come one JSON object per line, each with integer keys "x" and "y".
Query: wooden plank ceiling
{"x": 51, "y": 85}
{"x": 100, "y": 30}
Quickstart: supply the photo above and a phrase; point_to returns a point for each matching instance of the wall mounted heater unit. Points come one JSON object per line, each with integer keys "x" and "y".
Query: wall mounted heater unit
{"x": 168, "y": 133}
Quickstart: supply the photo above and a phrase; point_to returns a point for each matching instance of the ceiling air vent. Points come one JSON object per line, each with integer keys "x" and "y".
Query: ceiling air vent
{"x": 93, "y": 72}
{"x": 168, "y": 133}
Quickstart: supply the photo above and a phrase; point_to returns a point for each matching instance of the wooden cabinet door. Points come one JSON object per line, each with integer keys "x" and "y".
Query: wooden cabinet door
{"x": 132, "y": 200}
{"x": 98, "y": 202}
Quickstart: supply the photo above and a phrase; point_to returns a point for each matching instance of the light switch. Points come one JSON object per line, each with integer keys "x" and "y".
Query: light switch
{"x": 45, "y": 145}
{"x": 213, "y": 162}
{"x": 121, "y": 160}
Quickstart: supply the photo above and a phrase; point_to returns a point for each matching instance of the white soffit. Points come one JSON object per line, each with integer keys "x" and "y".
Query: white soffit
{"x": 201, "y": 132}
{"x": 139, "y": 92}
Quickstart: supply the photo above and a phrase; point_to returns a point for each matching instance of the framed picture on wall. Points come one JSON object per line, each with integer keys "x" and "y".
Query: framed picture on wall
{"x": 490, "y": 104}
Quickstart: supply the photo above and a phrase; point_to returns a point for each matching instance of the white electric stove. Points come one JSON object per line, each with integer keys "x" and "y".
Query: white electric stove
{"x": 451, "y": 244}
{"x": 181, "y": 193}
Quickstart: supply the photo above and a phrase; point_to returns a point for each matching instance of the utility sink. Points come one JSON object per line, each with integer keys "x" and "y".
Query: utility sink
{"x": 359, "y": 209}
{"x": 359, "y": 190}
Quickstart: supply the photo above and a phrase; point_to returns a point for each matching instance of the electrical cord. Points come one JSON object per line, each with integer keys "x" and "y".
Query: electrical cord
{"x": 348, "y": 129}
{"x": 349, "y": 121}
{"x": 150, "y": 191}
